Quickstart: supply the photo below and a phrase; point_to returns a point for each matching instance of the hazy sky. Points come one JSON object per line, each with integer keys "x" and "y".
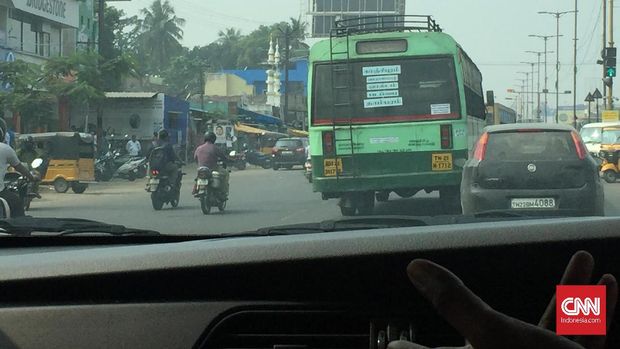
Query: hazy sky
{"x": 493, "y": 32}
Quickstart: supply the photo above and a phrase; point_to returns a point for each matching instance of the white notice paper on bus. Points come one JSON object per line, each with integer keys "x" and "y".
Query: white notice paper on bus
{"x": 382, "y": 86}
{"x": 381, "y": 94}
{"x": 381, "y": 78}
{"x": 381, "y": 70}
{"x": 440, "y": 109}
{"x": 383, "y": 102}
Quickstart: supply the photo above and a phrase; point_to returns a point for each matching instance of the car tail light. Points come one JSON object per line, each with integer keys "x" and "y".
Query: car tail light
{"x": 274, "y": 150}
{"x": 581, "y": 148}
{"x": 155, "y": 172}
{"x": 481, "y": 147}
{"x": 328, "y": 143}
{"x": 446, "y": 136}
{"x": 300, "y": 150}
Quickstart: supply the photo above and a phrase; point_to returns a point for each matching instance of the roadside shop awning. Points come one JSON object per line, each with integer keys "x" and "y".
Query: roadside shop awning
{"x": 297, "y": 133}
{"x": 258, "y": 131}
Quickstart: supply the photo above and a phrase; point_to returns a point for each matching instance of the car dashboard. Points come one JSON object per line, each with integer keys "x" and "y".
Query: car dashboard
{"x": 336, "y": 290}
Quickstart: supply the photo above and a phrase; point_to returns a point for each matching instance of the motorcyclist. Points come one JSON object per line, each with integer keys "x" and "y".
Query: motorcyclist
{"x": 208, "y": 154}
{"x": 8, "y": 157}
{"x": 28, "y": 151}
{"x": 171, "y": 160}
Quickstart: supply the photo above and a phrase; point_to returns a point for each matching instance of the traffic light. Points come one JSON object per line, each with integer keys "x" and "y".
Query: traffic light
{"x": 609, "y": 61}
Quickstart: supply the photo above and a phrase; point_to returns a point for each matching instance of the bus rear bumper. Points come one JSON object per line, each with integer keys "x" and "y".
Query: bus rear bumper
{"x": 333, "y": 186}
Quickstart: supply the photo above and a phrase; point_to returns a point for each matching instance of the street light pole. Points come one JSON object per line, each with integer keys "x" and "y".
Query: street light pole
{"x": 557, "y": 62}
{"x": 524, "y": 87}
{"x": 546, "y": 90}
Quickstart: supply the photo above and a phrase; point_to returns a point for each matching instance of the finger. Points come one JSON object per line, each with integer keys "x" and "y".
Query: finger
{"x": 598, "y": 342}
{"x": 578, "y": 272}
{"x": 452, "y": 299}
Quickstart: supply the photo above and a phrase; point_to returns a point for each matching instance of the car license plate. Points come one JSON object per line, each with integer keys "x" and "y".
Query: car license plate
{"x": 287, "y": 152}
{"x": 532, "y": 203}
{"x": 202, "y": 182}
{"x": 442, "y": 162}
{"x": 330, "y": 166}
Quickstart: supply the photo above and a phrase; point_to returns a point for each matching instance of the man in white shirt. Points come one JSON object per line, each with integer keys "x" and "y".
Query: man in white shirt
{"x": 8, "y": 157}
{"x": 133, "y": 146}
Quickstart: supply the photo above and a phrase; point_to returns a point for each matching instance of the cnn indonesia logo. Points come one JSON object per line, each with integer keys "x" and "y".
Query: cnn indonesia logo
{"x": 581, "y": 310}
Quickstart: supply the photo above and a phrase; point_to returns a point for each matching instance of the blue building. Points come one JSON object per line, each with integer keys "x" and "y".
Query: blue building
{"x": 298, "y": 77}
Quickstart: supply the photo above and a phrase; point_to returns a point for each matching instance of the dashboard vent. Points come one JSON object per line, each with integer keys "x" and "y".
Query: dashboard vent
{"x": 290, "y": 329}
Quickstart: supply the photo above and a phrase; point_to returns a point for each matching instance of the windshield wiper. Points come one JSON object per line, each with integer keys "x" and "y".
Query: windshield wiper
{"x": 27, "y": 226}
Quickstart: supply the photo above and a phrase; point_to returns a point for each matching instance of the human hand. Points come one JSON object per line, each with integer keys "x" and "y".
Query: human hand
{"x": 484, "y": 327}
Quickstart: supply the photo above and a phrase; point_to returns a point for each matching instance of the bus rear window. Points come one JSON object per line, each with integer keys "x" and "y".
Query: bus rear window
{"x": 385, "y": 91}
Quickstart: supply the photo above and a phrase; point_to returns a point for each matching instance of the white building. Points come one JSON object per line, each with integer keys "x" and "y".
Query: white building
{"x": 325, "y": 12}
{"x": 34, "y": 30}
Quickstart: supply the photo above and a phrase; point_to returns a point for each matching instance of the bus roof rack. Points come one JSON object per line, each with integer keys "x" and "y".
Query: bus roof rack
{"x": 385, "y": 23}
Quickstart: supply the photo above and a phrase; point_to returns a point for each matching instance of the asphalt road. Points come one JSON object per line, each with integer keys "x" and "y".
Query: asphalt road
{"x": 258, "y": 198}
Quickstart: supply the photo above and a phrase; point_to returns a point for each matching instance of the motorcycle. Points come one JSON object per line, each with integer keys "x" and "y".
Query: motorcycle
{"x": 159, "y": 185}
{"x": 134, "y": 168}
{"x": 238, "y": 160}
{"x": 105, "y": 167}
{"x": 208, "y": 190}
{"x": 257, "y": 158}
{"x": 26, "y": 190}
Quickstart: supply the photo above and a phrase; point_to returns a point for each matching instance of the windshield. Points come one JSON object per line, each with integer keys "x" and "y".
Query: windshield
{"x": 302, "y": 112}
{"x": 591, "y": 134}
{"x": 611, "y": 136}
{"x": 387, "y": 90}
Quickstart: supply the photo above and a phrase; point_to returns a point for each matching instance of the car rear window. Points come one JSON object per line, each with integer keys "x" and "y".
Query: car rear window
{"x": 288, "y": 143}
{"x": 526, "y": 146}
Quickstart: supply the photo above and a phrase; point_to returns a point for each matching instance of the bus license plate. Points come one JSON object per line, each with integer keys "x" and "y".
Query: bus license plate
{"x": 442, "y": 162}
{"x": 330, "y": 166}
{"x": 532, "y": 203}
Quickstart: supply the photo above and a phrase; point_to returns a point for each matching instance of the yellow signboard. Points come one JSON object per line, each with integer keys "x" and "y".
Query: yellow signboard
{"x": 610, "y": 115}
{"x": 330, "y": 166}
{"x": 442, "y": 162}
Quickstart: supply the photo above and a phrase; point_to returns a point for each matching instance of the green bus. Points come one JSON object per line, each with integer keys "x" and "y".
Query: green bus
{"x": 395, "y": 105}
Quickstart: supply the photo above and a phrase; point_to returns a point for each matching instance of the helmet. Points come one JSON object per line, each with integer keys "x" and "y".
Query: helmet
{"x": 210, "y": 137}
{"x": 163, "y": 135}
{"x": 29, "y": 139}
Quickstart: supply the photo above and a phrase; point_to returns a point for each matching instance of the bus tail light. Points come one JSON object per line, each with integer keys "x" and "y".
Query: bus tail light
{"x": 446, "y": 136}
{"x": 481, "y": 147}
{"x": 328, "y": 143}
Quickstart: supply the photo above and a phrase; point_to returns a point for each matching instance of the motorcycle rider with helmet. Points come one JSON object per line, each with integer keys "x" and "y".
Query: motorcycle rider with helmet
{"x": 8, "y": 157}
{"x": 208, "y": 155}
{"x": 170, "y": 158}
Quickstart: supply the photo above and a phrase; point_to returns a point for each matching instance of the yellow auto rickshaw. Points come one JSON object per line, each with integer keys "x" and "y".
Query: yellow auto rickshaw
{"x": 68, "y": 159}
{"x": 610, "y": 151}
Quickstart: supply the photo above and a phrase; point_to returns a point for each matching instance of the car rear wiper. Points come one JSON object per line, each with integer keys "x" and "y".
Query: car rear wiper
{"x": 29, "y": 226}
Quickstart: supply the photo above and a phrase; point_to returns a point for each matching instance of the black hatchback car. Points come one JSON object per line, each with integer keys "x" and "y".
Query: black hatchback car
{"x": 532, "y": 169}
{"x": 289, "y": 152}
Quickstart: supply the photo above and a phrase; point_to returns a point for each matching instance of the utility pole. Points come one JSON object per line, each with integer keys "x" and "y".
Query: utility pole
{"x": 101, "y": 27}
{"x": 524, "y": 87}
{"x": 610, "y": 100}
{"x": 604, "y": 45}
{"x": 546, "y": 89}
{"x": 575, "y": 71}
{"x": 557, "y": 16}
{"x": 538, "y": 53}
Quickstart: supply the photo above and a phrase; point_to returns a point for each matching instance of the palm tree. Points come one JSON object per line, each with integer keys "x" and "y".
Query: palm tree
{"x": 297, "y": 30}
{"x": 229, "y": 36}
{"x": 161, "y": 32}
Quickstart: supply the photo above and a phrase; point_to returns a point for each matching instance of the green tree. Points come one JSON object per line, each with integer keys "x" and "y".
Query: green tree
{"x": 25, "y": 94}
{"x": 160, "y": 34}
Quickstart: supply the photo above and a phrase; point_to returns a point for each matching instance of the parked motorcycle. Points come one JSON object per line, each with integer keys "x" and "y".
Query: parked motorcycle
{"x": 134, "y": 168}
{"x": 209, "y": 191}
{"x": 105, "y": 167}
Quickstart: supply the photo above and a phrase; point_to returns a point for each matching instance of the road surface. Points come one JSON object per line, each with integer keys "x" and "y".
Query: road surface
{"x": 258, "y": 198}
